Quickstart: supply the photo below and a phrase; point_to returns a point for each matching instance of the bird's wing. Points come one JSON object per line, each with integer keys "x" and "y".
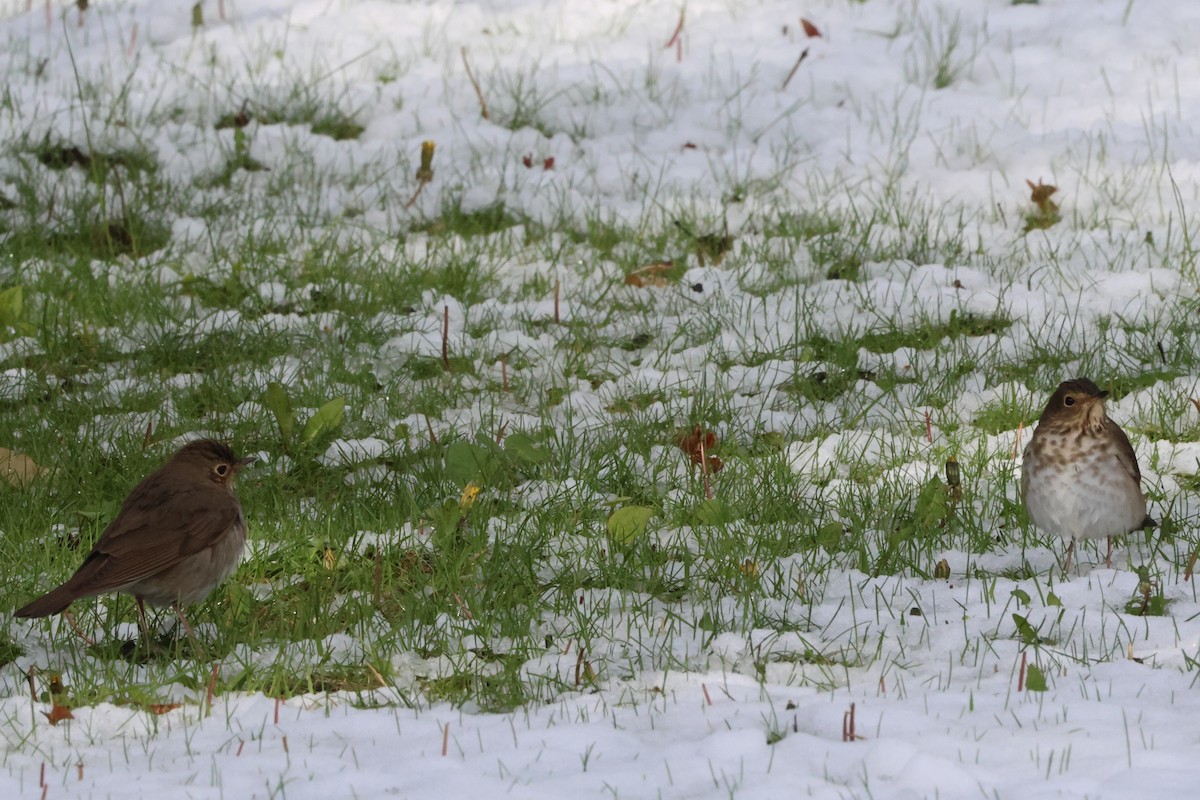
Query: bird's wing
{"x": 1126, "y": 455}
{"x": 158, "y": 526}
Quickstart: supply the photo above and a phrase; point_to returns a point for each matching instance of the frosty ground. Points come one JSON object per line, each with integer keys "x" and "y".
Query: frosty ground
{"x": 485, "y": 559}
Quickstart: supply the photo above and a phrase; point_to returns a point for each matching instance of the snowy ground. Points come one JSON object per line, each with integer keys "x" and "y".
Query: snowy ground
{"x": 919, "y": 122}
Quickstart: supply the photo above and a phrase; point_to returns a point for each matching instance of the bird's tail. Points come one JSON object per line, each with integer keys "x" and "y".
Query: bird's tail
{"x": 1148, "y": 522}
{"x": 53, "y": 602}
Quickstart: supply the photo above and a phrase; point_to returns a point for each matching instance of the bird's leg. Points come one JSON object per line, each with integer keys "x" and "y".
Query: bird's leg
{"x": 1067, "y": 558}
{"x": 1108, "y": 555}
{"x": 191, "y": 633}
{"x": 141, "y": 609}
{"x": 70, "y": 618}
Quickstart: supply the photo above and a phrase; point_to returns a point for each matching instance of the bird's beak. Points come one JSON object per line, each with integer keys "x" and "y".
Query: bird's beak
{"x": 1103, "y": 393}
{"x": 243, "y": 462}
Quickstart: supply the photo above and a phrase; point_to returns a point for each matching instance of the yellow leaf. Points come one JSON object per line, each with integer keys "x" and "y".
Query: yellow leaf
{"x": 17, "y": 469}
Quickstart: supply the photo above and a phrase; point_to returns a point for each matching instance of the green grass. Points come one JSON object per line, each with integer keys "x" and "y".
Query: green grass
{"x": 813, "y": 346}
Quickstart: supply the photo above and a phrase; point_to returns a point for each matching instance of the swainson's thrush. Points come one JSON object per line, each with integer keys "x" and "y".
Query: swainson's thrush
{"x": 179, "y": 533}
{"x": 1080, "y": 477}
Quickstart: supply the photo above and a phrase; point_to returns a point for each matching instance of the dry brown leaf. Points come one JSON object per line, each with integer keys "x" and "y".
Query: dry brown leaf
{"x": 17, "y": 469}
{"x": 810, "y": 30}
{"x": 1040, "y": 194}
{"x": 651, "y": 275}
{"x": 58, "y": 713}
{"x": 163, "y": 708}
{"x": 697, "y": 443}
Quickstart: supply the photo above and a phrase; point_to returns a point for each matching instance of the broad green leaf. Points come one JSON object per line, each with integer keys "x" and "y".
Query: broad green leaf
{"x": 1035, "y": 679}
{"x": 830, "y": 536}
{"x": 11, "y": 305}
{"x": 629, "y": 523}
{"x": 466, "y": 461}
{"x": 326, "y": 420}
{"x": 710, "y": 512}
{"x": 1021, "y": 595}
{"x": 275, "y": 398}
{"x": 1026, "y": 631}
{"x": 1052, "y": 599}
{"x": 933, "y": 506}
{"x": 524, "y": 448}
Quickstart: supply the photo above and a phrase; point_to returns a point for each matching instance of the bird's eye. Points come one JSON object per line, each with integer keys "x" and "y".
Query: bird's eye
{"x": 222, "y": 469}
{"x": 1069, "y": 401}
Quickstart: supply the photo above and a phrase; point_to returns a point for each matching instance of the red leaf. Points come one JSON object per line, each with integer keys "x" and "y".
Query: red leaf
{"x": 527, "y": 160}
{"x": 810, "y": 30}
{"x": 697, "y": 443}
{"x": 548, "y": 163}
{"x": 58, "y": 713}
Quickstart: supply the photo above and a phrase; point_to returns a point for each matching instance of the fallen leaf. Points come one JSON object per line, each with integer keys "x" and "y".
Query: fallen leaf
{"x": 17, "y": 469}
{"x": 163, "y": 708}
{"x": 810, "y": 30}
{"x": 698, "y": 443}
{"x": 58, "y": 713}
{"x": 527, "y": 160}
{"x": 651, "y": 275}
{"x": 1040, "y": 194}
{"x": 548, "y": 163}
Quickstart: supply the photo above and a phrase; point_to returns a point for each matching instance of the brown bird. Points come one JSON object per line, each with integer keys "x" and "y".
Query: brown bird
{"x": 179, "y": 533}
{"x": 1080, "y": 477}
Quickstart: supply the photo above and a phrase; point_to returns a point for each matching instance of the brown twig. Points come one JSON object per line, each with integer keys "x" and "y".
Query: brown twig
{"x": 557, "y": 291}
{"x": 377, "y": 577}
{"x": 445, "y": 738}
{"x": 674, "y": 40}
{"x": 446, "y": 338}
{"x": 708, "y": 495}
{"x": 504, "y": 373}
{"x": 848, "y": 734}
{"x": 483, "y": 109}
{"x": 707, "y": 696}
{"x": 1021, "y": 673}
{"x": 795, "y": 67}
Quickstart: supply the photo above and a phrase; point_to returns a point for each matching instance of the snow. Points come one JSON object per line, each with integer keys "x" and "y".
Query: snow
{"x": 1098, "y": 97}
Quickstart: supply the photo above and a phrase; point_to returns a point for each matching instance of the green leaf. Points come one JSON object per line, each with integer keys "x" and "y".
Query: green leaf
{"x": 711, "y": 512}
{"x": 830, "y": 536}
{"x": 11, "y": 305}
{"x": 275, "y": 398}
{"x": 933, "y": 506}
{"x": 524, "y": 448}
{"x": 1026, "y": 631}
{"x": 1035, "y": 679}
{"x": 466, "y": 461}
{"x": 327, "y": 419}
{"x": 1021, "y": 595}
{"x": 1052, "y": 600}
{"x": 629, "y": 523}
